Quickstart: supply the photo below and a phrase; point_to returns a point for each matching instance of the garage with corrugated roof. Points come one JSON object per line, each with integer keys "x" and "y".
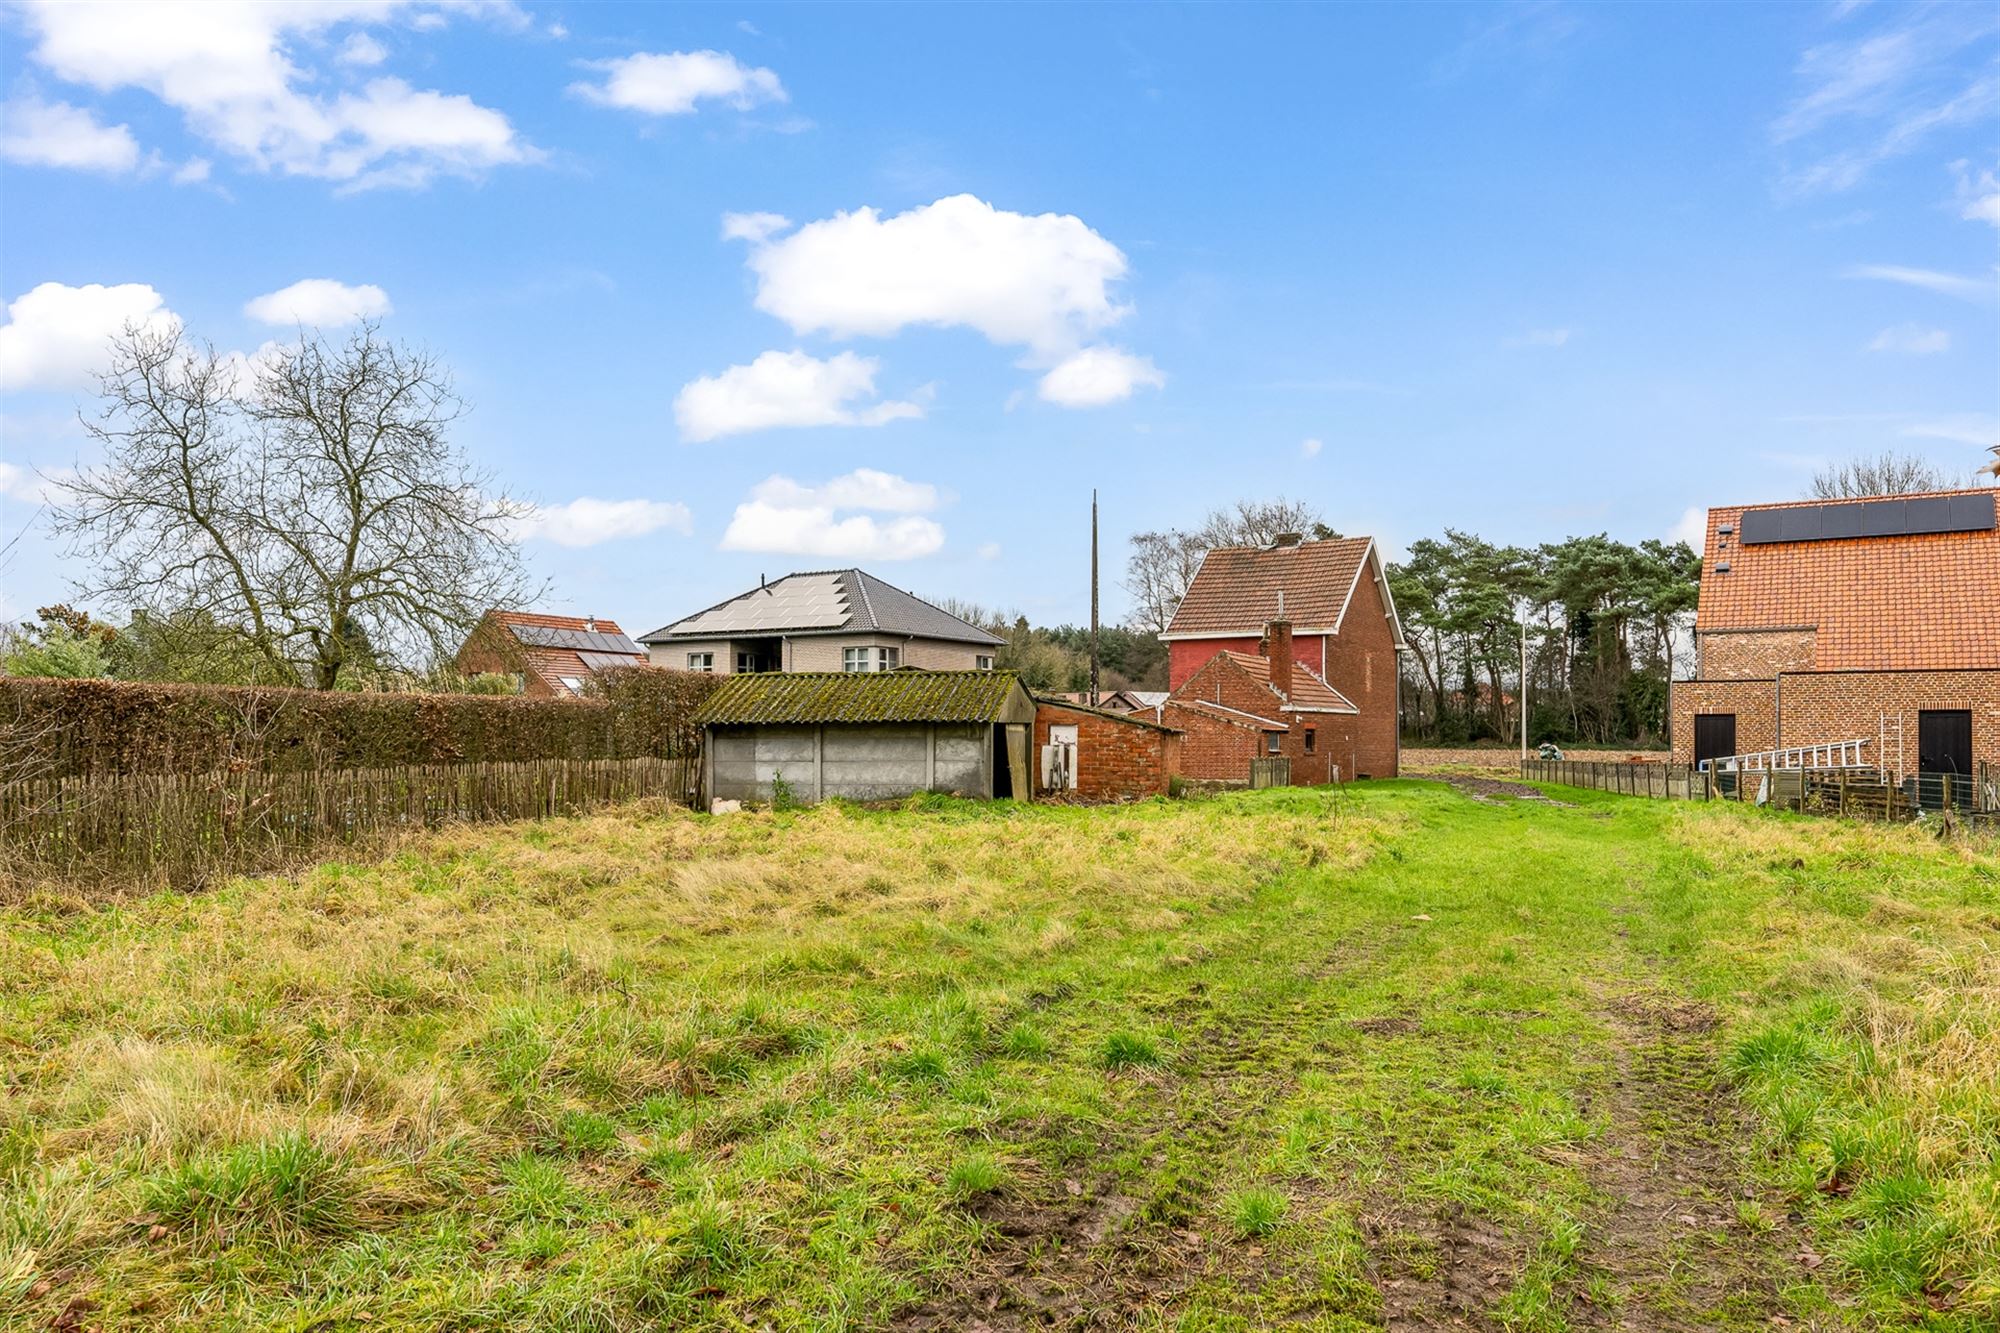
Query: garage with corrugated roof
{"x": 867, "y": 736}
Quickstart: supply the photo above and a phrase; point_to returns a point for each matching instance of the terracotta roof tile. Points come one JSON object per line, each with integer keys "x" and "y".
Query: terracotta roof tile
{"x": 1236, "y": 589}
{"x": 1917, "y": 601}
{"x": 1310, "y": 694}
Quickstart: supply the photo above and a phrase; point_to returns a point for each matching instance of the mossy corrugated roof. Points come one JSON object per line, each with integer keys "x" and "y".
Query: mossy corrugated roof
{"x": 793, "y": 697}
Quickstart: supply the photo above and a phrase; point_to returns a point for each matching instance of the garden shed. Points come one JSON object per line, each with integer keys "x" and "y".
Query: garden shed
{"x": 867, "y": 736}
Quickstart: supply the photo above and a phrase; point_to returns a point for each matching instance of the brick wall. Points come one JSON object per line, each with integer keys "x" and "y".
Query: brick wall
{"x": 1212, "y": 748}
{"x": 1187, "y": 656}
{"x": 1361, "y": 664}
{"x": 1840, "y": 705}
{"x": 1754, "y": 654}
{"x": 1117, "y": 759}
{"x": 1750, "y": 700}
{"x": 1843, "y": 705}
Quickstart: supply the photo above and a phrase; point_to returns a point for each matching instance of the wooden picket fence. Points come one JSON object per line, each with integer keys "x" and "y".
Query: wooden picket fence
{"x": 182, "y": 829}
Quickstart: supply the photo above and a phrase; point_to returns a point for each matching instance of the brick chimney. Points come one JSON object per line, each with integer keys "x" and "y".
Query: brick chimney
{"x": 1278, "y": 648}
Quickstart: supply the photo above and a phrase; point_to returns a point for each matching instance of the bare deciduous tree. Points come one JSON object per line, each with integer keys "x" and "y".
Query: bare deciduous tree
{"x": 320, "y": 506}
{"x": 1162, "y": 564}
{"x": 1885, "y": 474}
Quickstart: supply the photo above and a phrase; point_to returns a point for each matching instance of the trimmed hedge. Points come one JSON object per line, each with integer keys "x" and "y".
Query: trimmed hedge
{"x": 93, "y": 728}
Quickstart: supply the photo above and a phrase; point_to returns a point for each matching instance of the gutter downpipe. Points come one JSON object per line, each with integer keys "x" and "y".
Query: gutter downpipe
{"x": 1778, "y": 710}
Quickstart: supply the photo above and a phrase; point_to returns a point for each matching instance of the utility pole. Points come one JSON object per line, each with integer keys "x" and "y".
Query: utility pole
{"x": 1093, "y": 597}
{"x": 1524, "y": 691}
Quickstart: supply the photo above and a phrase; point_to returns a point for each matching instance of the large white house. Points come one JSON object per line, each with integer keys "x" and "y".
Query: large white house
{"x": 826, "y": 620}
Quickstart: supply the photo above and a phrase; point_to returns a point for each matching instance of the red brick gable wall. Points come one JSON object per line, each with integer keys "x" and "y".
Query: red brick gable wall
{"x": 1115, "y": 760}
{"x": 1212, "y": 748}
{"x": 1361, "y": 664}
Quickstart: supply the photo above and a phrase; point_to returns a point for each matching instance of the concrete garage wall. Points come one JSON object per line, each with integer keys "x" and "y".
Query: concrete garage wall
{"x": 874, "y": 762}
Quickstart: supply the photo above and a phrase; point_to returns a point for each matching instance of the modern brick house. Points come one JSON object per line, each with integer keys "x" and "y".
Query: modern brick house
{"x": 1331, "y": 601}
{"x": 826, "y": 620}
{"x": 1874, "y": 620}
{"x": 1243, "y": 706}
{"x": 1113, "y": 756}
{"x": 548, "y": 656}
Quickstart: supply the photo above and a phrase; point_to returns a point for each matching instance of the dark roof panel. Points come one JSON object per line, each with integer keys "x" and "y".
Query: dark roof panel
{"x": 1887, "y": 517}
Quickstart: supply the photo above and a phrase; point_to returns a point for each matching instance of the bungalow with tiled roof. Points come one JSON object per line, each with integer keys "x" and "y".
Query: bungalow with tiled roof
{"x": 1874, "y": 620}
{"x": 548, "y": 656}
{"x": 1312, "y": 628}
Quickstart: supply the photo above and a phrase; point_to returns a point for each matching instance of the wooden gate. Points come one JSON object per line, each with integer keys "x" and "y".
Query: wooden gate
{"x": 1273, "y": 772}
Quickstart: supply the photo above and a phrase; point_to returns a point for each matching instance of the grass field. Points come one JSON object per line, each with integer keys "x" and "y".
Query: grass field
{"x": 1397, "y": 1055}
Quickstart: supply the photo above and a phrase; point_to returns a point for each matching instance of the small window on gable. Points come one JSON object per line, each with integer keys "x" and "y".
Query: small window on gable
{"x": 1310, "y": 735}
{"x": 1273, "y": 742}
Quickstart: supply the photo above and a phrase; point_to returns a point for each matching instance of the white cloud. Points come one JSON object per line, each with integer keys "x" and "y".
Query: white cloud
{"x": 1978, "y": 197}
{"x": 1691, "y": 528}
{"x": 1096, "y": 376}
{"x": 788, "y": 518}
{"x": 1310, "y": 448}
{"x": 35, "y": 133}
{"x": 1042, "y": 282}
{"x": 586, "y": 521}
{"x": 58, "y": 337}
{"x": 234, "y": 72}
{"x": 1877, "y": 96}
{"x": 319, "y": 302}
{"x": 670, "y": 84}
{"x": 786, "y": 389}
{"x": 989, "y": 550}
{"x": 361, "y": 49}
{"x": 1930, "y": 280}
{"x": 755, "y": 228}
{"x": 1538, "y": 338}
{"x": 19, "y": 483}
{"x": 192, "y": 172}
{"x": 1911, "y": 338}
{"x": 1964, "y": 428}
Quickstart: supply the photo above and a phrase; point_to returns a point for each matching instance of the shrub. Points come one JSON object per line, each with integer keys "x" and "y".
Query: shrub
{"x": 95, "y": 728}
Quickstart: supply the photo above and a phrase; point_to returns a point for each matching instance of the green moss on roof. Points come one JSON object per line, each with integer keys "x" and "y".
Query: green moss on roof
{"x": 781, "y": 697}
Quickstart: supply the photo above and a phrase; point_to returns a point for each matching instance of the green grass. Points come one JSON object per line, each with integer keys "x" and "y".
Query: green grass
{"x": 1288, "y": 1058}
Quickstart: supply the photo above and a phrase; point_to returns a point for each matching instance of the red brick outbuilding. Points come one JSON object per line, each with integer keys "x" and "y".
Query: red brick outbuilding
{"x": 1116, "y": 756}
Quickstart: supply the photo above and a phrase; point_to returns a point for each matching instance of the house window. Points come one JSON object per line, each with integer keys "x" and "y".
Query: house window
{"x": 888, "y": 659}
{"x": 1310, "y": 734}
{"x": 854, "y": 659}
{"x": 983, "y": 662}
{"x": 745, "y": 663}
{"x": 1274, "y": 742}
{"x": 701, "y": 661}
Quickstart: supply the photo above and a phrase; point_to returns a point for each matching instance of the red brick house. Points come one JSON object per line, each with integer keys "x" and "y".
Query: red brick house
{"x": 1243, "y": 706}
{"x": 1112, "y": 756}
{"x": 1874, "y": 620}
{"x": 1339, "y": 620}
{"x": 548, "y": 656}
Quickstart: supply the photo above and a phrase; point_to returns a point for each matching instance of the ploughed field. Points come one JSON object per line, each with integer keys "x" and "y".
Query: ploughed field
{"x": 1409, "y": 1054}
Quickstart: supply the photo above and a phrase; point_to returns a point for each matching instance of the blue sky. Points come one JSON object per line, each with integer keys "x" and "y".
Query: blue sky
{"x": 743, "y": 289}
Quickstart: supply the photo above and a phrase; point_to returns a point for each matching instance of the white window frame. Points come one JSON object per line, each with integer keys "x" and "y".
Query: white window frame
{"x": 574, "y": 684}
{"x": 746, "y": 663}
{"x": 982, "y": 661}
{"x": 888, "y": 659}
{"x": 703, "y": 662}
{"x": 855, "y": 659}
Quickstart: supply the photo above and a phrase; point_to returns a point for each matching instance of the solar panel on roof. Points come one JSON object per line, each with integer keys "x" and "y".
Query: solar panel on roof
{"x": 543, "y": 636}
{"x": 1869, "y": 518}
